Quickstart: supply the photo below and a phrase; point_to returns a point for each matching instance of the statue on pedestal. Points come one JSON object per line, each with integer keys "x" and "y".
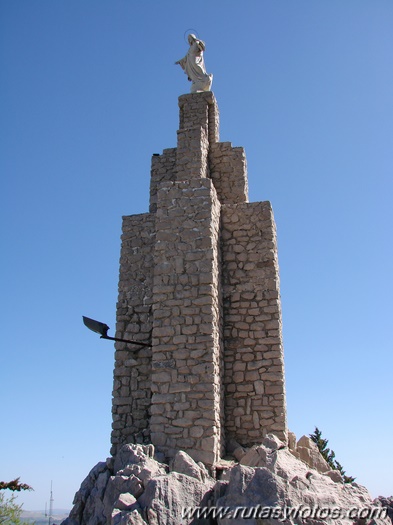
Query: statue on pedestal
{"x": 194, "y": 66}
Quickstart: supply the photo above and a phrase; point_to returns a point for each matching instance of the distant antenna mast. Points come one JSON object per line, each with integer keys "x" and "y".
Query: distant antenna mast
{"x": 50, "y": 505}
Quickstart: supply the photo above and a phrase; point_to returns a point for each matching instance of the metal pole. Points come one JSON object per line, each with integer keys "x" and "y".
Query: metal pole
{"x": 50, "y": 505}
{"x": 125, "y": 340}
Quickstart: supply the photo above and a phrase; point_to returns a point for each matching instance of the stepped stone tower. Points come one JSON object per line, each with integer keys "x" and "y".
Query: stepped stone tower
{"x": 199, "y": 277}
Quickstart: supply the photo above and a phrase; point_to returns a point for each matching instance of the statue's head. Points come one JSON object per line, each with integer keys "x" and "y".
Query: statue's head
{"x": 191, "y": 38}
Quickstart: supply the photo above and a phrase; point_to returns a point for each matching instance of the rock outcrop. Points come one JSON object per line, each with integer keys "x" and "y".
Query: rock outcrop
{"x": 283, "y": 482}
{"x": 270, "y": 483}
{"x": 134, "y": 489}
{"x": 386, "y": 503}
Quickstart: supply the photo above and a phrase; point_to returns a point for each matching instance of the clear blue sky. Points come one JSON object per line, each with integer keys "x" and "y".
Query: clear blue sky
{"x": 88, "y": 93}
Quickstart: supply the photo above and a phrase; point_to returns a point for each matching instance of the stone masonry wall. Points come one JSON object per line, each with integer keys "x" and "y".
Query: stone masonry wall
{"x": 192, "y": 153}
{"x": 199, "y": 274}
{"x": 132, "y": 373}
{"x": 163, "y": 168}
{"x": 254, "y": 366}
{"x": 228, "y": 171}
{"x": 186, "y": 361}
{"x": 200, "y": 110}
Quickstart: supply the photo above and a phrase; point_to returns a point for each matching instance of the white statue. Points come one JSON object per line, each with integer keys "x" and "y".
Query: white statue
{"x": 194, "y": 66}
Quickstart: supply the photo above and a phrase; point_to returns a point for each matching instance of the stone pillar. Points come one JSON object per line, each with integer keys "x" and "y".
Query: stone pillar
{"x": 198, "y": 129}
{"x": 163, "y": 168}
{"x": 254, "y": 361}
{"x": 228, "y": 171}
{"x": 132, "y": 373}
{"x": 187, "y": 354}
{"x": 200, "y": 110}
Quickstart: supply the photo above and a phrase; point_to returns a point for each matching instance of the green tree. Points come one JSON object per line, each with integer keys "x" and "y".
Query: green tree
{"x": 329, "y": 455}
{"x": 10, "y": 511}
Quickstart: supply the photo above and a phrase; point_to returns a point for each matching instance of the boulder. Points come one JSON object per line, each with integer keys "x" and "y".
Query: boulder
{"x": 291, "y": 441}
{"x": 184, "y": 464}
{"x": 274, "y": 455}
{"x": 387, "y": 503}
{"x": 131, "y": 454}
{"x": 309, "y": 453}
{"x": 127, "y": 518}
{"x": 118, "y": 485}
{"x": 249, "y": 487}
{"x": 235, "y": 449}
{"x": 335, "y": 475}
{"x": 165, "y": 498}
{"x": 125, "y": 501}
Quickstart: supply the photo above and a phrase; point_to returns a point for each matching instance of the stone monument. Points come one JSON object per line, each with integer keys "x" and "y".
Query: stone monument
{"x": 199, "y": 276}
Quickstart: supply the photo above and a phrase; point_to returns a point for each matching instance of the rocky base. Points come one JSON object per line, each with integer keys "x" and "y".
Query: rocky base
{"x": 133, "y": 488}
{"x": 387, "y": 503}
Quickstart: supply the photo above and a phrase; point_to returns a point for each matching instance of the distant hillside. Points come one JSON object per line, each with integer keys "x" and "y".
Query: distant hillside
{"x": 38, "y": 516}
